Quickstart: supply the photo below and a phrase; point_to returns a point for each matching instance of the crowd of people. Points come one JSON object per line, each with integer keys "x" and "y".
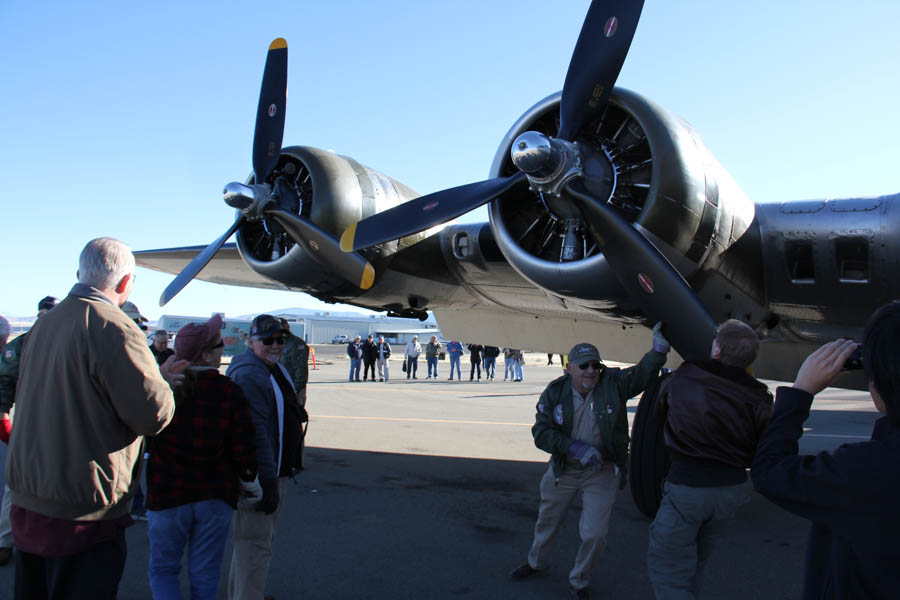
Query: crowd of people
{"x": 224, "y": 445}
{"x": 482, "y": 358}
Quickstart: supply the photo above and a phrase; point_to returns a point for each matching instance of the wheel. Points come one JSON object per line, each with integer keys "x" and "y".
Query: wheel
{"x": 649, "y": 461}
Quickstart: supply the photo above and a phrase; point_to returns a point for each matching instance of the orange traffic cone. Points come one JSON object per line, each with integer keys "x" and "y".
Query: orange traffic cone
{"x": 312, "y": 353}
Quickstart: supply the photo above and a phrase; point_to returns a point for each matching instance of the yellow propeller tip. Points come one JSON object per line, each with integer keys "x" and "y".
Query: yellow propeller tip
{"x": 278, "y": 43}
{"x": 347, "y": 238}
{"x": 368, "y": 277}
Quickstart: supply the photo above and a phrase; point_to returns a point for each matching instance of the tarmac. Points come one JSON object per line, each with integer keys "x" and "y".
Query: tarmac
{"x": 429, "y": 489}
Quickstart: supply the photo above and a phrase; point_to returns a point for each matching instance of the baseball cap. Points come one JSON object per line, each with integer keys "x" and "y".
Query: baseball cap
{"x": 191, "y": 339}
{"x": 265, "y": 326}
{"x": 47, "y": 302}
{"x": 130, "y": 309}
{"x": 582, "y": 353}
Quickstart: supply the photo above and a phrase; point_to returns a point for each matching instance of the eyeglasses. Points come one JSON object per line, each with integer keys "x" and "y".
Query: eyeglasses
{"x": 596, "y": 365}
{"x": 272, "y": 340}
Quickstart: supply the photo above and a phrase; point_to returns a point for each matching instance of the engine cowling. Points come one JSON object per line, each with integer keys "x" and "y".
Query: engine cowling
{"x": 333, "y": 191}
{"x": 647, "y": 163}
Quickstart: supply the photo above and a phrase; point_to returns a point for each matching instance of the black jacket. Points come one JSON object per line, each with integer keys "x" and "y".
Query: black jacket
{"x": 850, "y": 495}
{"x": 370, "y": 351}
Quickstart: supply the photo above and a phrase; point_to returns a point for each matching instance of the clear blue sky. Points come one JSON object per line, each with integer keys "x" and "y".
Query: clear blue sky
{"x": 126, "y": 119}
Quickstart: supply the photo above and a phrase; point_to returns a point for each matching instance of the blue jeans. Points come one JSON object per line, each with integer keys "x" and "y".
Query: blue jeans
{"x": 432, "y": 365}
{"x": 454, "y": 363}
{"x": 489, "y": 366}
{"x": 202, "y": 527}
{"x": 412, "y": 365}
{"x": 354, "y": 368}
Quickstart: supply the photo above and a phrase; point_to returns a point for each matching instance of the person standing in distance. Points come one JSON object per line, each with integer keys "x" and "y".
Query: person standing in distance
{"x": 581, "y": 421}
{"x": 354, "y": 351}
{"x": 276, "y": 416}
{"x": 86, "y": 365}
{"x": 160, "y": 346}
{"x": 384, "y": 353}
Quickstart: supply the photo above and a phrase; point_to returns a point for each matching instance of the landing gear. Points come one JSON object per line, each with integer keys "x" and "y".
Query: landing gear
{"x": 649, "y": 457}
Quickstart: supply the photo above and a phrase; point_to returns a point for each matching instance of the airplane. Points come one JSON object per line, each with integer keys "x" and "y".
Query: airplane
{"x": 607, "y": 214}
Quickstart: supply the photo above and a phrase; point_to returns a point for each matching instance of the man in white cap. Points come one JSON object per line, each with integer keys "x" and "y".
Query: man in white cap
{"x": 582, "y": 422}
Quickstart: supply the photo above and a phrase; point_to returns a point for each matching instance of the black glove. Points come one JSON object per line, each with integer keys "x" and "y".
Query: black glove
{"x": 269, "y": 502}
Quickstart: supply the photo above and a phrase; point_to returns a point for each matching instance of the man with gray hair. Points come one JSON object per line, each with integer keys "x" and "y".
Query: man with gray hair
{"x": 88, "y": 391}
{"x": 582, "y": 422}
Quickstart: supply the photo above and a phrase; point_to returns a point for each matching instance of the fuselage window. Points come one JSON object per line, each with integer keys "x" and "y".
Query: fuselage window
{"x": 800, "y": 263}
{"x": 852, "y": 256}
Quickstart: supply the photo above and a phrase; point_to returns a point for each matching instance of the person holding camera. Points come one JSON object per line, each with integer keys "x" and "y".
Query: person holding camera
{"x": 849, "y": 495}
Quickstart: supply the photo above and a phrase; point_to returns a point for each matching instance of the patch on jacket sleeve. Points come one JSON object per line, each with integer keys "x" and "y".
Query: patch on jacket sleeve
{"x": 540, "y": 406}
{"x": 557, "y": 414}
{"x": 9, "y": 354}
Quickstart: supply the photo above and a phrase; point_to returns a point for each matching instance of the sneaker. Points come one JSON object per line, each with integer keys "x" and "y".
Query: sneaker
{"x": 581, "y": 594}
{"x": 523, "y": 571}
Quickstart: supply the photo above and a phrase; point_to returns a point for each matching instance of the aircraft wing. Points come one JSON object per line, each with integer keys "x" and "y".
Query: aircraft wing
{"x": 226, "y": 267}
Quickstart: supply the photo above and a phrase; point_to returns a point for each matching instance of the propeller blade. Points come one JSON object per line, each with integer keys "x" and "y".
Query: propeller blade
{"x": 424, "y": 212}
{"x": 324, "y": 248}
{"x": 194, "y": 267}
{"x": 648, "y": 277}
{"x": 596, "y": 61}
{"x": 270, "y": 114}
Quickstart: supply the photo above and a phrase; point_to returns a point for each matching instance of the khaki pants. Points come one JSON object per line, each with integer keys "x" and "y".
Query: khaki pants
{"x": 253, "y": 535}
{"x": 598, "y": 493}
{"x": 383, "y": 367}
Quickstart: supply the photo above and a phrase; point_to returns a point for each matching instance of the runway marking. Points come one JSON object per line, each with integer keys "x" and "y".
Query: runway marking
{"x": 837, "y": 435}
{"x": 421, "y": 420}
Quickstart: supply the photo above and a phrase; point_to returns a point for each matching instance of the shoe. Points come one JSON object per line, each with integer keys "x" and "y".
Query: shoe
{"x": 523, "y": 572}
{"x": 449, "y": 379}
{"x": 382, "y": 379}
{"x": 414, "y": 377}
{"x": 5, "y": 556}
{"x": 582, "y": 594}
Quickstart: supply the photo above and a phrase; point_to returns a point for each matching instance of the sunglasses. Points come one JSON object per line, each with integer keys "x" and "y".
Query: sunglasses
{"x": 596, "y": 365}
{"x": 272, "y": 340}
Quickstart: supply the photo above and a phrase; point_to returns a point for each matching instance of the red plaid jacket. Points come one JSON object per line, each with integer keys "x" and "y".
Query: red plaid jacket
{"x": 206, "y": 448}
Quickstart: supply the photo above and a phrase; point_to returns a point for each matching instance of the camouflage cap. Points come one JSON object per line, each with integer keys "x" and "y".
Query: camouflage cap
{"x": 582, "y": 353}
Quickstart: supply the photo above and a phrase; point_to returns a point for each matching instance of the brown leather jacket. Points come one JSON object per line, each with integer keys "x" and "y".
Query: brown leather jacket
{"x": 715, "y": 415}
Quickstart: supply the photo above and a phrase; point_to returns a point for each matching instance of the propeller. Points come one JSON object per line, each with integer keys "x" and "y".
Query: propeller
{"x": 593, "y": 69}
{"x": 424, "y": 212}
{"x": 259, "y": 200}
{"x": 647, "y": 276}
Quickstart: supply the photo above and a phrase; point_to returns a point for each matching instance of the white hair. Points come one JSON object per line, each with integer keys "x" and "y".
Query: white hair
{"x": 104, "y": 262}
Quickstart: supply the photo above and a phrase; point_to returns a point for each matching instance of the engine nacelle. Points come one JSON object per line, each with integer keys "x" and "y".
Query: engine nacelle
{"x": 652, "y": 167}
{"x": 332, "y": 191}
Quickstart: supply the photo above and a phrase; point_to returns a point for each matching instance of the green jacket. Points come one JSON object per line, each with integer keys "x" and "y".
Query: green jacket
{"x": 9, "y": 372}
{"x": 433, "y": 349}
{"x": 296, "y": 360}
{"x": 552, "y": 428}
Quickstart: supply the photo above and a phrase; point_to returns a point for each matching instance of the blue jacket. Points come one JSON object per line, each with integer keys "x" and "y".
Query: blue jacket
{"x": 850, "y": 495}
{"x": 252, "y": 375}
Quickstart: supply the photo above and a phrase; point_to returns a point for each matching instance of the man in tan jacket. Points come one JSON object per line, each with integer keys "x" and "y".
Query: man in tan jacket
{"x": 88, "y": 391}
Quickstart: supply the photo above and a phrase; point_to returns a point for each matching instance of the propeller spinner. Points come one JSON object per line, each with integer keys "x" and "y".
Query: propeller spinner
{"x": 259, "y": 200}
{"x": 553, "y": 165}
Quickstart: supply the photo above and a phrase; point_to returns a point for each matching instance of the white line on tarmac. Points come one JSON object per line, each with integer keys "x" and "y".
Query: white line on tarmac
{"x": 421, "y": 420}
